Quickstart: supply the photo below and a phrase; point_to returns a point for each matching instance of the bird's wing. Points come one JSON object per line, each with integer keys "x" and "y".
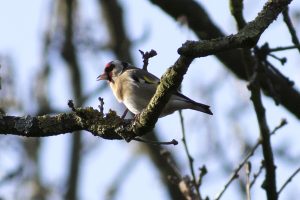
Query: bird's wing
{"x": 142, "y": 76}
{"x": 142, "y": 84}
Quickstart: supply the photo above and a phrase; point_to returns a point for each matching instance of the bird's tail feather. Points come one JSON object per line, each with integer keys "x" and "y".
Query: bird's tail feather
{"x": 195, "y": 105}
{"x": 201, "y": 107}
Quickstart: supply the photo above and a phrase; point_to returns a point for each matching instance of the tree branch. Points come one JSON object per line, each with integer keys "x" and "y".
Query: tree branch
{"x": 199, "y": 21}
{"x": 42, "y": 126}
{"x": 290, "y": 26}
{"x": 288, "y": 180}
{"x": 270, "y": 178}
{"x": 245, "y": 38}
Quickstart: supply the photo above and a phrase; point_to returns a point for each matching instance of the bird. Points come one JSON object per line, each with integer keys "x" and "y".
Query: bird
{"x": 135, "y": 87}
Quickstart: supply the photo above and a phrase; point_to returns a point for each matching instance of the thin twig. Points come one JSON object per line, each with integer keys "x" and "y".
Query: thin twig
{"x": 255, "y": 175}
{"x": 283, "y": 122}
{"x": 297, "y": 46}
{"x": 203, "y": 172}
{"x": 234, "y": 175}
{"x": 190, "y": 158}
{"x": 288, "y": 180}
{"x": 172, "y": 142}
{"x": 71, "y": 105}
{"x": 248, "y": 171}
{"x": 288, "y": 22}
{"x": 101, "y": 105}
{"x": 281, "y": 60}
{"x": 124, "y": 114}
{"x": 146, "y": 57}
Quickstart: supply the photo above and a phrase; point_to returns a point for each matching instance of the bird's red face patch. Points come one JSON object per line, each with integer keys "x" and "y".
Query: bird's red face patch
{"x": 108, "y": 70}
{"x": 108, "y": 65}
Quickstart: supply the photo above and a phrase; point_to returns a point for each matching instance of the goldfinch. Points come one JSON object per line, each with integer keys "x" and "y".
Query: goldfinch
{"x": 135, "y": 88}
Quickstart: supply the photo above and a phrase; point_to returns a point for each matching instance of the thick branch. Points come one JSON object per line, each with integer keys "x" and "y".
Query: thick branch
{"x": 270, "y": 178}
{"x": 46, "y": 125}
{"x": 246, "y": 37}
{"x": 204, "y": 28}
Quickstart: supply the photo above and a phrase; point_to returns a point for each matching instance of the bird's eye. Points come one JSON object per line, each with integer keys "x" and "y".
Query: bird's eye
{"x": 109, "y": 67}
{"x": 125, "y": 64}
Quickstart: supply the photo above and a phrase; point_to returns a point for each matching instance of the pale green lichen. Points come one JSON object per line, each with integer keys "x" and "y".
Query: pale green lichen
{"x": 47, "y": 122}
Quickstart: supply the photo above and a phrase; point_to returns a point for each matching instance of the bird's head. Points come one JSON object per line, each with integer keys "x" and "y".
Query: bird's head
{"x": 112, "y": 70}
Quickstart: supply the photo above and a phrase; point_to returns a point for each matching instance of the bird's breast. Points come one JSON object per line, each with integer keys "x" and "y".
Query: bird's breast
{"x": 117, "y": 90}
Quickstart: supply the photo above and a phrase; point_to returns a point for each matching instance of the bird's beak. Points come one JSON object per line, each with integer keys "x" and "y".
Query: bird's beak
{"x": 102, "y": 77}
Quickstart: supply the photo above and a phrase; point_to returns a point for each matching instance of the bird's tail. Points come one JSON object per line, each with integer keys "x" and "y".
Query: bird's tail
{"x": 201, "y": 107}
{"x": 191, "y": 104}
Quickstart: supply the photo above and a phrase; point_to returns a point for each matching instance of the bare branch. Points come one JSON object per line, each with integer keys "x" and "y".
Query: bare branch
{"x": 203, "y": 172}
{"x": 190, "y": 158}
{"x": 290, "y": 26}
{"x": 146, "y": 56}
{"x": 125, "y": 113}
{"x": 288, "y": 180}
{"x": 270, "y": 178}
{"x": 235, "y": 175}
{"x": 248, "y": 171}
{"x": 236, "y": 8}
{"x": 283, "y": 122}
{"x": 284, "y": 48}
{"x": 199, "y": 21}
{"x": 101, "y": 105}
{"x": 172, "y": 142}
{"x": 245, "y": 38}
{"x": 87, "y": 119}
{"x": 255, "y": 175}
